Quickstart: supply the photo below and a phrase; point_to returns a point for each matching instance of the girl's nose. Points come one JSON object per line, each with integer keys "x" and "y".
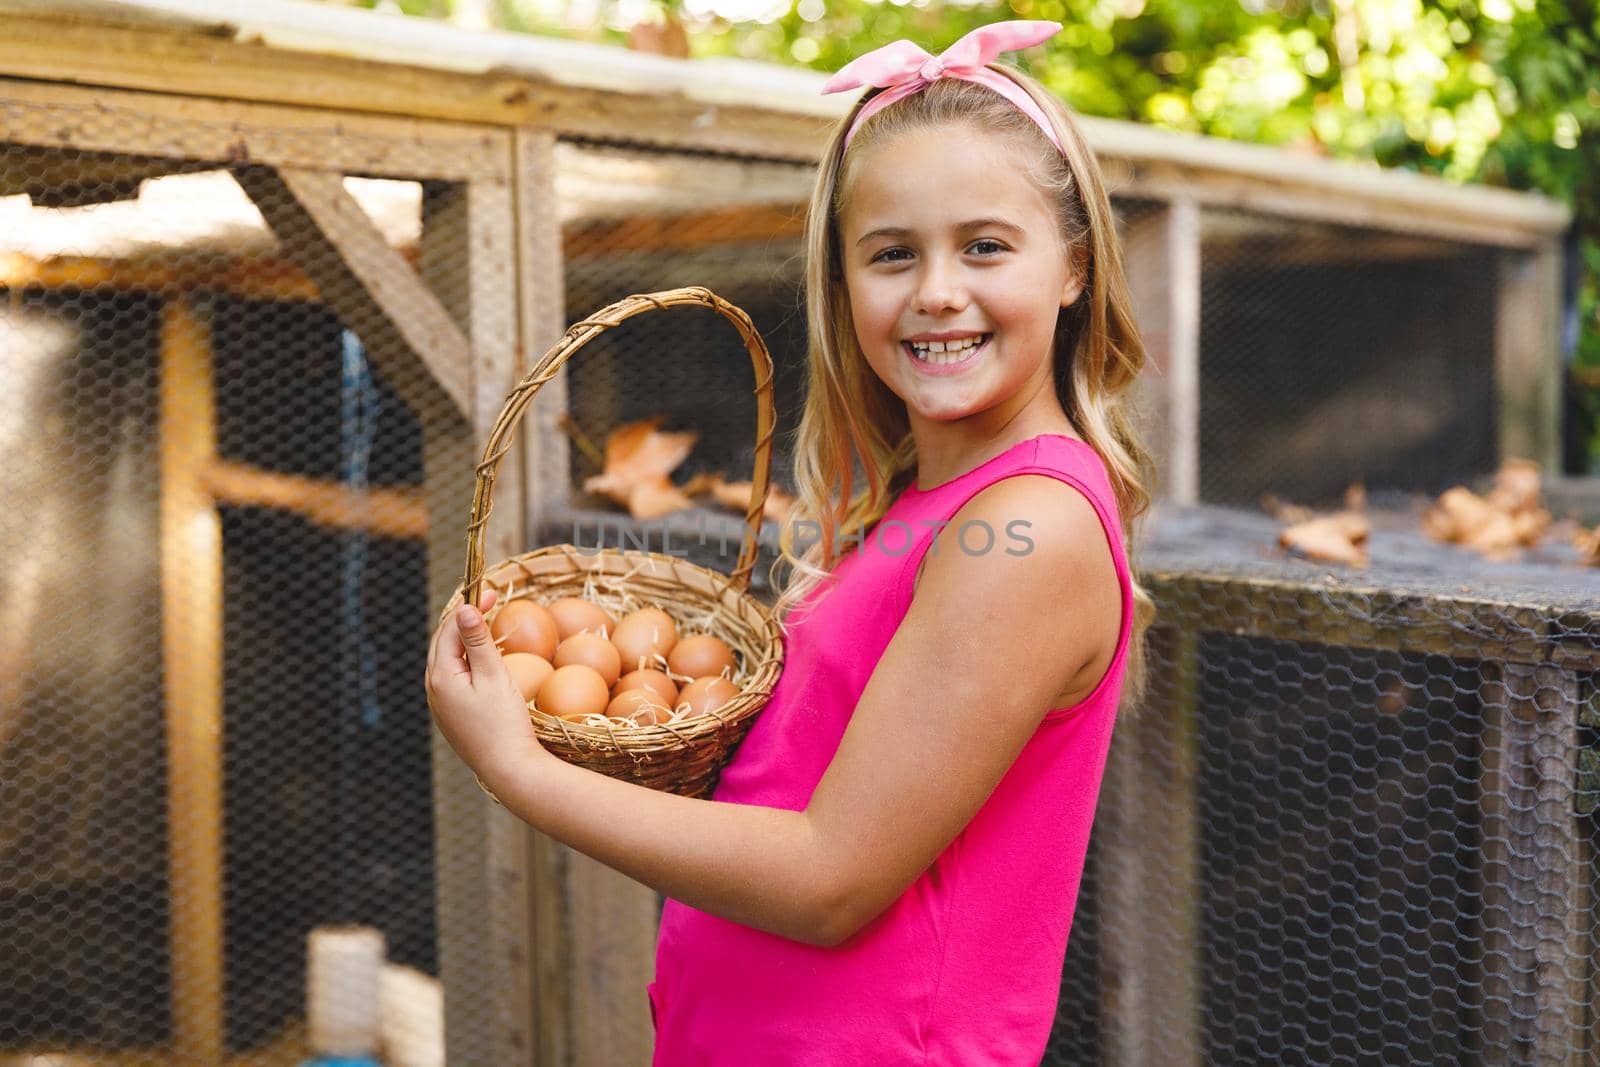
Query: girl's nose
{"x": 940, "y": 287}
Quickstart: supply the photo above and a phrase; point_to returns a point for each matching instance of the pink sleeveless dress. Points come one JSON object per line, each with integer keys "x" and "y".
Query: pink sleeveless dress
{"x": 964, "y": 969}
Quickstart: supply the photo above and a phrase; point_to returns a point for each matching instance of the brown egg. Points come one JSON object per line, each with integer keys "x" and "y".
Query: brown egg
{"x": 528, "y": 671}
{"x": 703, "y": 695}
{"x": 574, "y": 615}
{"x": 641, "y": 705}
{"x": 649, "y": 678}
{"x": 523, "y": 626}
{"x": 643, "y": 635}
{"x": 573, "y": 691}
{"x": 591, "y": 650}
{"x": 700, "y": 656}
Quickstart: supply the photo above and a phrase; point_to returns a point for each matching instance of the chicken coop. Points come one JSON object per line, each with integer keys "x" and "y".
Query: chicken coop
{"x": 267, "y": 279}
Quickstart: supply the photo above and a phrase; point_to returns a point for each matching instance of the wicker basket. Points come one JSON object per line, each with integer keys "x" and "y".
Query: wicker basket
{"x": 686, "y": 755}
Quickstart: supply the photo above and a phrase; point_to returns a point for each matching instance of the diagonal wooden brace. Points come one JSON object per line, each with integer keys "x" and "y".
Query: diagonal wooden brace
{"x": 403, "y": 324}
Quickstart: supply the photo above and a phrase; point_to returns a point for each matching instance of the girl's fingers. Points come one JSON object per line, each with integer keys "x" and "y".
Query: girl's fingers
{"x": 449, "y": 647}
{"x": 482, "y": 657}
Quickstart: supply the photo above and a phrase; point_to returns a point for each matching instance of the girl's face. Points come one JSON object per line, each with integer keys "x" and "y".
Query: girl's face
{"x": 946, "y": 240}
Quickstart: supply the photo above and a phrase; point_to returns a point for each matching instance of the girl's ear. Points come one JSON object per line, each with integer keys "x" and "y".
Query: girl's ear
{"x": 1072, "y": 289}
{"x": 1077, "y": 270}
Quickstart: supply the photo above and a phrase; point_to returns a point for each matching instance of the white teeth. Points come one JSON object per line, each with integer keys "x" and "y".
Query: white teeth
{"x": 944, "y": 351}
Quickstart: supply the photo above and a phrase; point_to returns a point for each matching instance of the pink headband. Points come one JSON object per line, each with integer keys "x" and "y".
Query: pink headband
{"x": 901, "y": 68}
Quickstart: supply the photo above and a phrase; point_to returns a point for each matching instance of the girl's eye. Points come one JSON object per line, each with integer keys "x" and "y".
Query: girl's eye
{"x": 995, "y": 245}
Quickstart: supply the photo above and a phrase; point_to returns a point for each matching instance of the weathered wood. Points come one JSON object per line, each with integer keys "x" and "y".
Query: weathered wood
{"x": 542, "y": 321}
{"x": 1324, "y": 197}
{"x": 1368, "y": 617}
{"x": 381, "y": 512}
{"x": 469, "y": 960}
{"x": 468, "y": 255}
{"x": 367, "y": 282}
{"x": 233, "y": 131}
{"x": 594, "y": 967}
{"x": 613, "y": 923}
{"x": 1150, "y": 897}
{"x": 250, "y": 279}
{"x": 1527, "y": 356}
{"x": 713, "y": 228}
{"x": 1162, "y": 254}
{"x": 1535, "y": 893}
{"x": 171, "y": 60}
{"x": 191, "y": 642}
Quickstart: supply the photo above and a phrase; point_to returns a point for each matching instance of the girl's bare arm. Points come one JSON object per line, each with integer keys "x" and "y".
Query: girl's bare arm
{"x": 956, "y": 695}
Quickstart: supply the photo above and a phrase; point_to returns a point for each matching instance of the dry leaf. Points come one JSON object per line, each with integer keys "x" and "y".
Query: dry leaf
{"x": 1284, "y": 511}
{"x": 1587, "y": 542}
{"x": 736, "y": 495}
{"x": 1338, "y": 537}
{"x": 1355, "y": 497}
{"x": 1329, "y": 538}
{"x": 639, "y": 459}
{"x": 1497, "y": 525}
{"x": 1516, "y": 486}
{"x": 651, "y": 500}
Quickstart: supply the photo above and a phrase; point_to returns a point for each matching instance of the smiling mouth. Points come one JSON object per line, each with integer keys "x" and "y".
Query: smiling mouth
{"x": 947, "y": 357}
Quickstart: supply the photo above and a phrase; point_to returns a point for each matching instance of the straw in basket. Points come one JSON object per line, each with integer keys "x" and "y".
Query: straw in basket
{"x": 684, "y": 755}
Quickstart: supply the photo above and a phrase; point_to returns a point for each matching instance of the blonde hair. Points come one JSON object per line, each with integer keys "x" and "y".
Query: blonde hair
{"x": 851, "y": 418}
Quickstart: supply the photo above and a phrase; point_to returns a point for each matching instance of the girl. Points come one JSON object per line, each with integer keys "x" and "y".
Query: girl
{"x": 887, "y": 871}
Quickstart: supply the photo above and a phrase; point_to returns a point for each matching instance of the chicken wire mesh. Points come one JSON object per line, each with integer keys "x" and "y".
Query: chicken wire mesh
{"x": 1332, "y": 354}
{"x": 211, "y": 486}
{"x": 1354, "y": 820}
{"x": 1350, "y": 825}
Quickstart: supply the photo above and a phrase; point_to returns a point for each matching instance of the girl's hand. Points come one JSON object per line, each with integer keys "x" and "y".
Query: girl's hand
{"x": 474, "y": 702}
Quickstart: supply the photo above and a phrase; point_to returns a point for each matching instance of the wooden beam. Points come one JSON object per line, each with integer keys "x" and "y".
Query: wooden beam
{"x": 1527, "y": 358}
{"x": 752, "y": 223}
{"x": 381, "y": 512}
{"x": 232, "y": 131}
{"x": 246, "y": 278}
{"x": 1535, "y": 892}
{"x": 191, "y": 642}
{"x": 1162, "y": 256}
{"x": 367, "y": 282}
{"x": 595, "y": 928}
{"x": 541, "y": 251}
{"x": 182, "y": 61}
{"x": 1270, "y": 183}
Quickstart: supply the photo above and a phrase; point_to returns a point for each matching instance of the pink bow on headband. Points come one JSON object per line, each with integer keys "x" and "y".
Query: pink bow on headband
{"x": 901, "y": 68}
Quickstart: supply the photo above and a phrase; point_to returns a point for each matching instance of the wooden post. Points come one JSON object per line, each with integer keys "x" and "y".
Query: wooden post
{"x": 191, "y": 642}
{"x": 1150, "y": 900}
{"x": 542, "y": 305}
{"x": 1528, "y": 366}
{"x": 596, "y": 928}
{"x": 1162, "y": 257}
{"x": 469, "y": 258}
{"x": 1534, "y": 890}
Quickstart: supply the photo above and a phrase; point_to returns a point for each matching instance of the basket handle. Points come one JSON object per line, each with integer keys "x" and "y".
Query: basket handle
{"x": 580, "y": 334}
